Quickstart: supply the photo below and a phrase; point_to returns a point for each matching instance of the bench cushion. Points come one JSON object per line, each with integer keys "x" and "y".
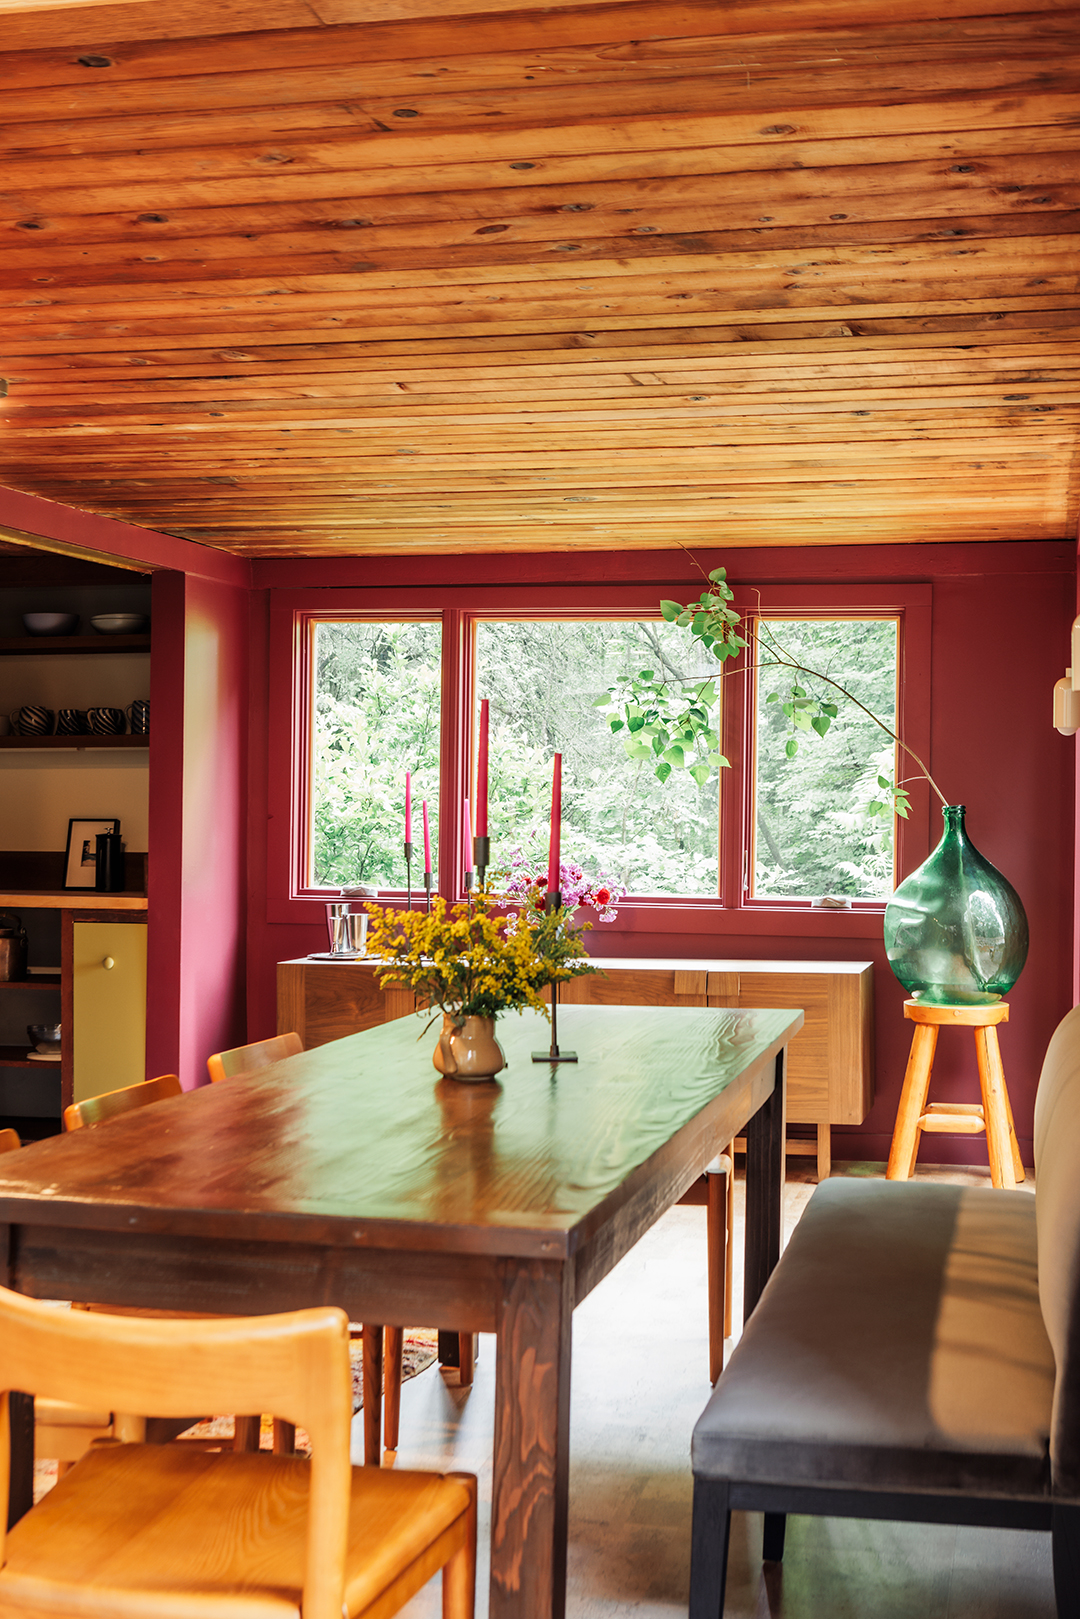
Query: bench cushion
{"x": 899, "y": 1345}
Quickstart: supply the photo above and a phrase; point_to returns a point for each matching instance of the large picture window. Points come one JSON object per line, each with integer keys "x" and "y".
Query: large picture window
{"x": 381, "y": 687}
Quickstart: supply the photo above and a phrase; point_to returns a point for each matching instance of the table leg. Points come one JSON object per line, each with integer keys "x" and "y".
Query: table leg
{"x": 532, "y": 1442}
{"x": 373, "y": 1393}
{"x": 764, "y": 1190}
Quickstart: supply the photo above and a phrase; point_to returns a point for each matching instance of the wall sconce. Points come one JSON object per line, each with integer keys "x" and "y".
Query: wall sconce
{"x": 1067, "y": 691}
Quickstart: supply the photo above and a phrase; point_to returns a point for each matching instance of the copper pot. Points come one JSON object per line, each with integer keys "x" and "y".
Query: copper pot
{"x": 12, "y": 948}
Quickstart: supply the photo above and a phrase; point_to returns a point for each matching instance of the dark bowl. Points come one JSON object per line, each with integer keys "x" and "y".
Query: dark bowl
{"x": 44, "y": 1037}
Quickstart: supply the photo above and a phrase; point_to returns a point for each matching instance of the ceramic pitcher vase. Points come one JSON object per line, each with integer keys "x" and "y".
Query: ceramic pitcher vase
{"x": 468, "y": 1050}
{"x": 955, "y": 930}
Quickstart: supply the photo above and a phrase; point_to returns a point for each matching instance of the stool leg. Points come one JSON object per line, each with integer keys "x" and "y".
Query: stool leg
{"x": 992, "y": 1081}
{"x": 373, "y": 1363}
{"x": 466, "y": 1359}
{"x": 1018, "y": 1162}
{"x": 905, "y": 1141}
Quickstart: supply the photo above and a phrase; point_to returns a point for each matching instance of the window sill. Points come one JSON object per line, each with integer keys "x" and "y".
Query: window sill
{"x": 690, "y": 918}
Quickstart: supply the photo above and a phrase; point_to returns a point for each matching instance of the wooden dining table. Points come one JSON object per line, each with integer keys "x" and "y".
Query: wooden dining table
{"x": 354, "y": 1175}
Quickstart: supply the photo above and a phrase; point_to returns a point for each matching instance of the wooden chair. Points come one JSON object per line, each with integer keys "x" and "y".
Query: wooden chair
{"x": 245, "y": 1059}
{"x": 146, "y": 1530}
{"x": 96, "y": 1110}
{"x": 9, "y": 1140}
{"x": 383, "y": 1348}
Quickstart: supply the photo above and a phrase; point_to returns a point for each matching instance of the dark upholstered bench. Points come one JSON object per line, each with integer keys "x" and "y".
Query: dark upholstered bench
{"x": 915, "y": 1355}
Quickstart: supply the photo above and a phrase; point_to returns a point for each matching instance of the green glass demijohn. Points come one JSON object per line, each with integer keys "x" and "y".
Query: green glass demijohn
{"x": 955, "y": 930}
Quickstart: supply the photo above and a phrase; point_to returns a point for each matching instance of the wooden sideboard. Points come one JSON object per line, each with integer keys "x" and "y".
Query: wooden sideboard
{"x": 830, "y": 1062}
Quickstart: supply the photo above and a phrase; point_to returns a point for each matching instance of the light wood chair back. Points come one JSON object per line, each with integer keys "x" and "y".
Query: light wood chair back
{"x": 97, "y": 1109}
{"x": 9, "y": 1140}
{"x": 245, "y": 1059}
{"x": 295, "y": 1365}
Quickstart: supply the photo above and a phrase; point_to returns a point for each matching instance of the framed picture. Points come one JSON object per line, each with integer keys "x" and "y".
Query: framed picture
{"x": 80, "y": 861}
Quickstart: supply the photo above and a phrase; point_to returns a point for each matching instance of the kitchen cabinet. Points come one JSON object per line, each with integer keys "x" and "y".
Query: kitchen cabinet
{"x": 102, "y": 1010}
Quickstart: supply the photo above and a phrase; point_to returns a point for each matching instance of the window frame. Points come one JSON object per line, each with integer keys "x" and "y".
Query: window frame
{"x": 461, "y": 609}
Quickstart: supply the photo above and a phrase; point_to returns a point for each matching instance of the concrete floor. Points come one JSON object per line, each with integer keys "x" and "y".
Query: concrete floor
{"x": 639, "y": 1383}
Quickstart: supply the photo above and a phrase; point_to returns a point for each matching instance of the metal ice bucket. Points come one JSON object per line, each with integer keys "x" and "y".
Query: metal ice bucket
{"x": 346, "y": 931}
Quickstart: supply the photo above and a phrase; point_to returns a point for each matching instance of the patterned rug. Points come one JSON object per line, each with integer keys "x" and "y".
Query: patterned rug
{"x": 418, "y": 1354}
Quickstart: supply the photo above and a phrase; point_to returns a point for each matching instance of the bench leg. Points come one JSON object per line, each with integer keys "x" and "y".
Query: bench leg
{"x": 711, "y": 1528}
{"x": 1065, "y": 1534}
{"x": 772, "y": 1540}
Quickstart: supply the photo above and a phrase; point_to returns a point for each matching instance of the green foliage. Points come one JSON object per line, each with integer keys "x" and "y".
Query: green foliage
{"x": 545, "y": 680}
{"x": 376, "y": 715}
{"x": 824, "y": 811}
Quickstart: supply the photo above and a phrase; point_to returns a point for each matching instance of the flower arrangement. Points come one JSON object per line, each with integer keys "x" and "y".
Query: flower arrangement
{"x": 469, "y": 962}
{"x": 526, "y": 885}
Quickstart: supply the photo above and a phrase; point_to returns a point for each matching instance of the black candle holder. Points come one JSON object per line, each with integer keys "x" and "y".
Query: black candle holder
{"x": 427, "y": 890}
{"x": 481, "y": 858}
{"x": 408, "y": 875}
{"x": 552, "y": 903}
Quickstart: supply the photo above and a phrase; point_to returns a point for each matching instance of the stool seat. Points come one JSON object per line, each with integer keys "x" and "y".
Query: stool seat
{"x": 992, "y": 1117}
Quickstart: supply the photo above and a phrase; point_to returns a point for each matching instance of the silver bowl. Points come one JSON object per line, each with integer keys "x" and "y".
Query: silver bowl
{"x": 50, "y": 623}
{"x": 44, "y": 1037}
{"x": 119, "y": 623}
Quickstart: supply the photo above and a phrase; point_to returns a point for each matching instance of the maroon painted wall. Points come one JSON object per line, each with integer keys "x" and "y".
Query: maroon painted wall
{"x": 1000, "y": 632}
{"x": 198, "y": 775}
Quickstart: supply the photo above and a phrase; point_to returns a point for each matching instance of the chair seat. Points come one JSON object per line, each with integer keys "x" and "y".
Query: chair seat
{"x": 152, "y": 1520}
{"x": 899, "y": 1345}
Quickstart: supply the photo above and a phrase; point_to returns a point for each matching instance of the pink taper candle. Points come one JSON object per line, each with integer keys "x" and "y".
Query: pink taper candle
{"x": 556, "y": 824}
{"x": 466, "y": 832}
{"x": 482, "y": 774}
{"x": 427, "y": 840}
{"x": 408, "y": 806}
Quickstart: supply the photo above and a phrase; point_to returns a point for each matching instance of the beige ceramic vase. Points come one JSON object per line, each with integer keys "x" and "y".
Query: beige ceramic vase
{"x": 468, "y": 1050}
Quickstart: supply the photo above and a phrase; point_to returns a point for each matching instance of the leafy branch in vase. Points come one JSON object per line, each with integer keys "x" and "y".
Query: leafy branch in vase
{"x": 672, "y": 722}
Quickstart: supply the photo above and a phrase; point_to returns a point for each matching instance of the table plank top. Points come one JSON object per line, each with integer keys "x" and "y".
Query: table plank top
{"x": 360, "y": 1141}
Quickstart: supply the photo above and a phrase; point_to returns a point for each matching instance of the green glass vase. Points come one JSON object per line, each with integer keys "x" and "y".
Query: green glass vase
{"x": 955, "y": 930}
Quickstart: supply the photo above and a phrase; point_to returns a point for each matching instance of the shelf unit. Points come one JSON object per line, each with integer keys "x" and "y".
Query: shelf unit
{"x": 47, "y": 980}
{"x": 19, "y": 1057}
{"x": 41, "y": 646}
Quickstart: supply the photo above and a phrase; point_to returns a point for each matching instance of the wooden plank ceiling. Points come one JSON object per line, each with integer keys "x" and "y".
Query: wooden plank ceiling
{"x": 359, "y": 276}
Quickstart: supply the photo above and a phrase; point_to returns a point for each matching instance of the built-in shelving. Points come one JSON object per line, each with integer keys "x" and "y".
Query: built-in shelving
{"x": 19, "y": 1057}
{"x": 41, "y": 646}
{"x": 62, "y": 743}
{"x": 49, "y": 980}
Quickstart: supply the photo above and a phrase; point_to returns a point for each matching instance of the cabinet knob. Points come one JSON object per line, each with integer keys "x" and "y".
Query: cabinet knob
{"x": 108, "y": 963}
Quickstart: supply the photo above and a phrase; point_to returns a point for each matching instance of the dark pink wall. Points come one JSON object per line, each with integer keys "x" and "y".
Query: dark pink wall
{"x": 198, "y": 824}
{"x": 1000, "y": 631}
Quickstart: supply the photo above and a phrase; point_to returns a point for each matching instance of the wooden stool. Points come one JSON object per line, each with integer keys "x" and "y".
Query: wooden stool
{"x": 993, "y": 1116}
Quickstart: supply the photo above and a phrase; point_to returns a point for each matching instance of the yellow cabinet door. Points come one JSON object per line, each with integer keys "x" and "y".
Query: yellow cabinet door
{"x": 109, "y": 1012}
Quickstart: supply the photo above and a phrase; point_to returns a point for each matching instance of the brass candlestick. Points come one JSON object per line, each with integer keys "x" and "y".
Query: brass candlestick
{"x": 552, "y": 902}
{"x": 408, "y": 876}
{"x": 481, "y": 858}
{"x": 427, "y": 890}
